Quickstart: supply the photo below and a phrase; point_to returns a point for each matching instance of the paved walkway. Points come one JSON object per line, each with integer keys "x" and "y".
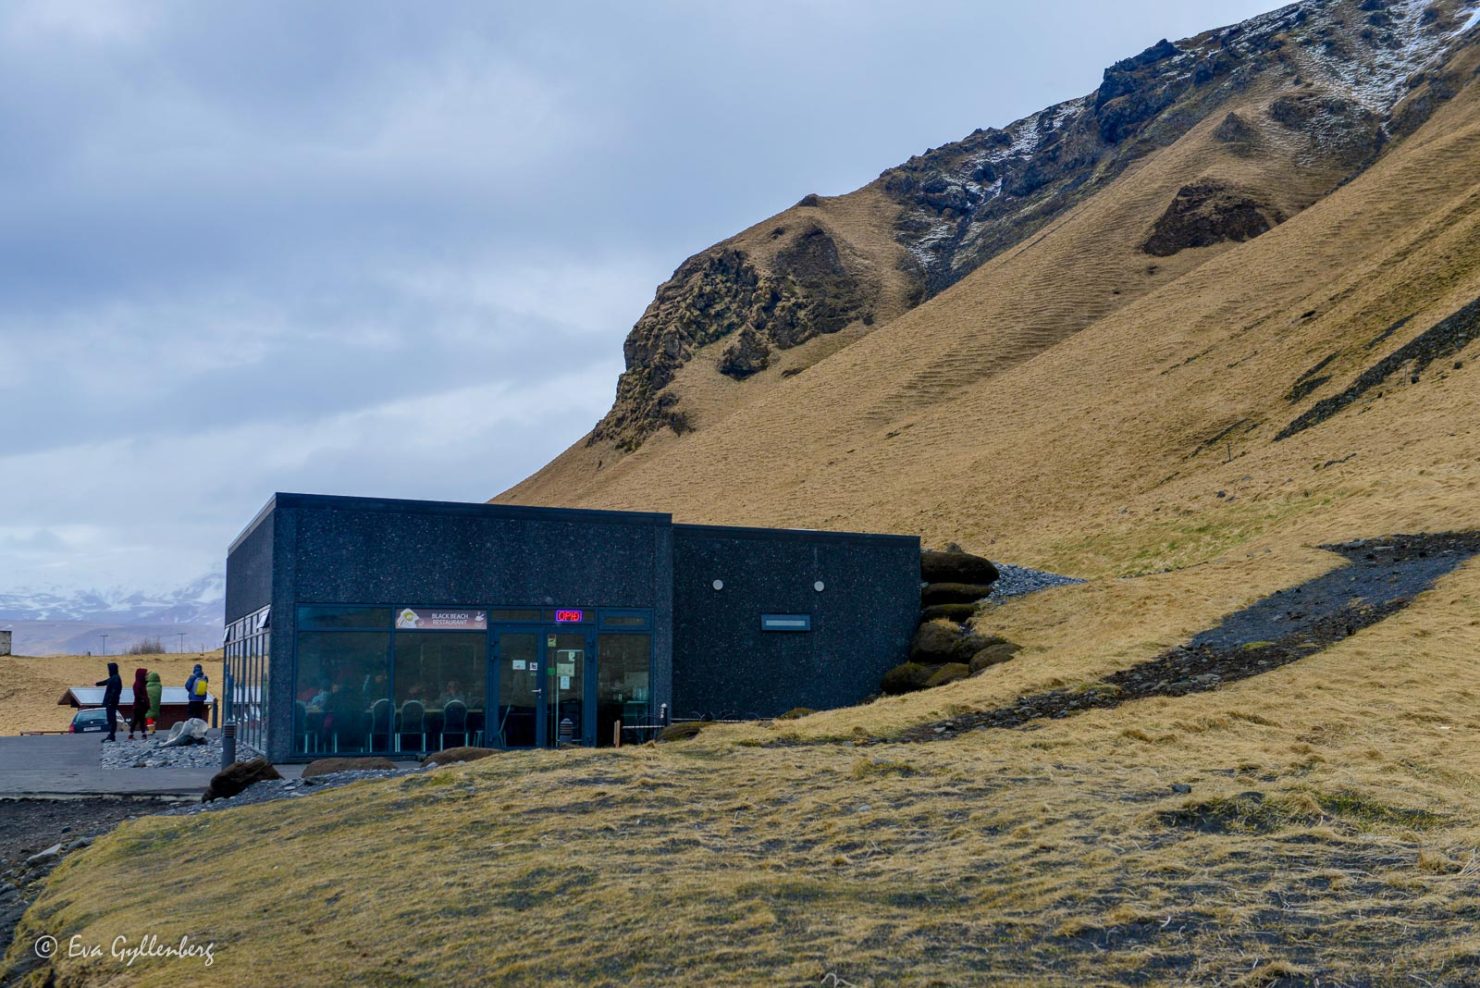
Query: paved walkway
{"x": 68, "y": 765}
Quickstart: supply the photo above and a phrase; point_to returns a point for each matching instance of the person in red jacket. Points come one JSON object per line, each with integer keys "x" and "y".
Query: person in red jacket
{"x": 140, "y": 716}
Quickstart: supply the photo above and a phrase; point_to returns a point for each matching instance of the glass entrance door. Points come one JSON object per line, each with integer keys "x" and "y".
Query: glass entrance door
{"x": 519, "y": 710}
{"x": 541, "y": 676}
{"x": 565, "y": 688}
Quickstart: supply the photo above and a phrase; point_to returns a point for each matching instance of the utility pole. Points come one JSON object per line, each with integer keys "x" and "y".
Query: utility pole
{"x": 105, "y": 644}
{"x": 181, "y": 636}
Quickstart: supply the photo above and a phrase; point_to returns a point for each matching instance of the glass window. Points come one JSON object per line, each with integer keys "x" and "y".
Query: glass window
{"x": 330, "y": 617}
{"x": 439, "y": 689}
{"x": 244, "y": 699}
{"x": 343, "y": 701}
{"x": 622, "y": 684}
{"x": 518, "y": 685}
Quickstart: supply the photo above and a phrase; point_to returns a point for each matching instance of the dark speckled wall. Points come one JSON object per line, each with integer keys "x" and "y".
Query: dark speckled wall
{"x": 724, "y": 665}
{"x": 371, "y": 551}
{"x": 710, "y": 654}
{"x": 249, "y": 568}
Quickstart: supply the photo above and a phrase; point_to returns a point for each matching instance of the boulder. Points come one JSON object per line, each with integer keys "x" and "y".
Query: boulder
{"x": 452, "y": 756}
{"x": 996, "y": 653}
{"x": 236, "y": 777}
{"x": 325, "y": 766}
{"x": 948, "y": 673}
{"x": 192, "y": 731}
{"x": 936, "y": 642}
{"x": 959, "y": 613}
{"x": 953, "y": 593}
{"x": 954, "y": 566}
{"x": 681, "y": 732}
{"x": 49, "y": 856}
{"x": 906, "y": 678}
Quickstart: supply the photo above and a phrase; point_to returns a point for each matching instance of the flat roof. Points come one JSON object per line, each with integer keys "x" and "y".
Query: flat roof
{"x": 515, "y": 511}
{"x": 92, "y": 696}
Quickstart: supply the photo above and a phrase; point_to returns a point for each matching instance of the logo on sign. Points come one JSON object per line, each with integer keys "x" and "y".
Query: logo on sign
{"x": 570, "y": 616}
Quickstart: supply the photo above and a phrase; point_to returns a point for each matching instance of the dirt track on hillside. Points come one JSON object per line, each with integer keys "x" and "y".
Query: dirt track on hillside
{"x": 1382, "y": 577}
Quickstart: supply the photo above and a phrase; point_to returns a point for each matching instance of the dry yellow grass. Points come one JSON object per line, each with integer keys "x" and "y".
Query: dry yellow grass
{"x": 30, "y": 687}
{"x": 1333, "y": 821}
{"x": 1058, "y": 854}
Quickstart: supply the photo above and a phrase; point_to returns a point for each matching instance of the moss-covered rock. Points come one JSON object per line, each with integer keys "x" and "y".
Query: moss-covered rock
{"x": 948, "y": 673}
{"x": 940, "y": 641}
{"x": 955, "y": 566}
{"x": 236, "y": 777}
{"x": 454, "y": 755}
{"x": 957, "y": 613}
{"x": 325, "y": 766}
{"x": 954, "y": 593}
{"x": 795, "y": 713}
{"x": 999, "y": 651}
{"x": 681, "y": 732}
{"x": 906, "y": 678}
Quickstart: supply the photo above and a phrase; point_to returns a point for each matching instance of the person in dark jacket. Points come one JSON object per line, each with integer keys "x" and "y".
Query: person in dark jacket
{"x": 110, "y": 699}
{"x": 139, "y": 717}
{"x": 197, "y": 707}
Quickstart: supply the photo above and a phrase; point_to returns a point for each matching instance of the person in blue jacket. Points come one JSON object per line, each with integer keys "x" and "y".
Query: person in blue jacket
{"x": 114, "y": 684}
{"x": 197, "y": 707}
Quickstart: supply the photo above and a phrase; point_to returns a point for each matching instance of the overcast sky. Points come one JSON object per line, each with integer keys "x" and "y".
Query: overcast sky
{"x": 393, "y": 248}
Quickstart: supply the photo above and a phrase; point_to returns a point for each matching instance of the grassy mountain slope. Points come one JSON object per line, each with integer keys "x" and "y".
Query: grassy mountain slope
{"x": 1034, "y": 413}
{"x": 1318, "y": 820}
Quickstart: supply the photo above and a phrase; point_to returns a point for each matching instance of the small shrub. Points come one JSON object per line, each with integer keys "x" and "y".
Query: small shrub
{"x": 796, "y": 713}
{"x": 948, "y": 673}
{"x": 149, "y": 646}
{"x": 681, "y": 731}
{"x": 906, "y": 678}
{"x": 867, "y": 768}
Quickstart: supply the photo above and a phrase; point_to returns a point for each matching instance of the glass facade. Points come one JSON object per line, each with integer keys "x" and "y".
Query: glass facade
{"x": 623, "y": 681}
{"x": 342, "y": 704}
{"x": 245, "y": 695}
{"x": 381, "y": 680}
{"x": 439, "y": 678}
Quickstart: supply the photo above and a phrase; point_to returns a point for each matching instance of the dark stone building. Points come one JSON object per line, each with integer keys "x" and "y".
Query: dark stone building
{"x": 372, "y": 626}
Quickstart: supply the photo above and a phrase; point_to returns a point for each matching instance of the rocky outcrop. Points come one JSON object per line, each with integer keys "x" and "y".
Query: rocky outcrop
{"x": 807, "y": 289}
{"x": 1344, "y": 76}
{"x": 1441, "y": 342}
{"x": 1209, "y": 212}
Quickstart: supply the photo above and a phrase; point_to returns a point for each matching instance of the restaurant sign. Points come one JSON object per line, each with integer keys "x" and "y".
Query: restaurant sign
{"x": 440, "y": 619}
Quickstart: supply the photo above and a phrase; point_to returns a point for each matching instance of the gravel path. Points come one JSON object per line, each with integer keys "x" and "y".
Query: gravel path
{"x": 30, "y": 828}
{"x": 1014, "y": 581}
{"x": 266, "y": 792}
{"x": 151, "y": 753}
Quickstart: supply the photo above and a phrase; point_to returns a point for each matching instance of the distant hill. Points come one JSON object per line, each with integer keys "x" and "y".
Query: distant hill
{"x": 72, "y": 622}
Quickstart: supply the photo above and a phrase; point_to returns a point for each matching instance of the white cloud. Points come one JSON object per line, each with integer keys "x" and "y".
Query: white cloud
{"x": 164, "y": 510}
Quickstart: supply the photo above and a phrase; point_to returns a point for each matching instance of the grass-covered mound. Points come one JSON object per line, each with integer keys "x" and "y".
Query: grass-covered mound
{"x": 1178, "y": 839}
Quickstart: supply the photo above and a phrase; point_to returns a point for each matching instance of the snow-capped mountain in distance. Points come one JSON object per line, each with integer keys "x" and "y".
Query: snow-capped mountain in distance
{"x": 201, "y": 602}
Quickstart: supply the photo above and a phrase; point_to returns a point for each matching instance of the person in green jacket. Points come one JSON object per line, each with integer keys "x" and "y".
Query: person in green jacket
{"x": 155, "y": 689}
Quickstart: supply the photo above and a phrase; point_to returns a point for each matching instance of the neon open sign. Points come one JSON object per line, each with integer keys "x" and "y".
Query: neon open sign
{"x": 570, "y": 616}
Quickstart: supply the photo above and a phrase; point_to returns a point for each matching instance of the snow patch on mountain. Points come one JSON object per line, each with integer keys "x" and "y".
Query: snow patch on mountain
{"x": 202, "y": 601}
